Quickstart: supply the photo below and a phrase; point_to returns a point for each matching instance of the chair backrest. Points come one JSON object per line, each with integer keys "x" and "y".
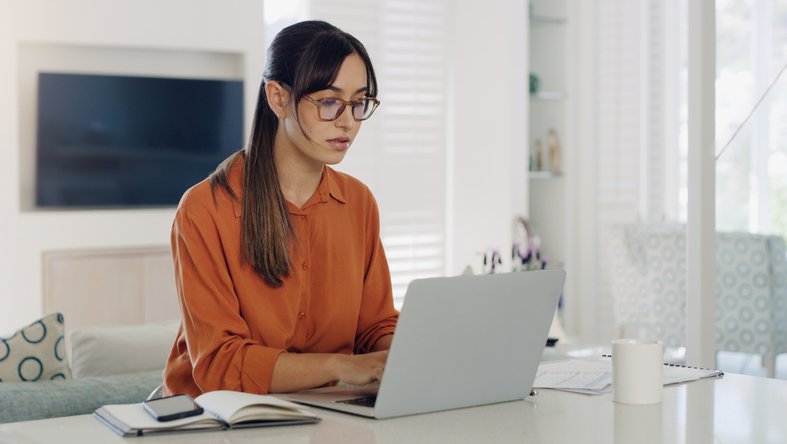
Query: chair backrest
{"x": 648, "y": 281}
{"x": 649, "y": 286}
{"x": 778, "y": 261}
{"x": 744, "y": 300}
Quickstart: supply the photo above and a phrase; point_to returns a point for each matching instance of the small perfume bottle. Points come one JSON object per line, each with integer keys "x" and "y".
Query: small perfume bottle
{"x": 539, "y": 156}
{"x": 554, "y": 151}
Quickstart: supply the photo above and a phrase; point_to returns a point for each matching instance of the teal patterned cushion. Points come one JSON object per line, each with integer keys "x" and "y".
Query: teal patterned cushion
{"x": 23, "y": 401}
{"x": 35, "y": 352}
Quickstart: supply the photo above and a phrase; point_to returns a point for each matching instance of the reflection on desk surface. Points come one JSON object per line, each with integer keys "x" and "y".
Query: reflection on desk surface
{"x": 732, "y": 409}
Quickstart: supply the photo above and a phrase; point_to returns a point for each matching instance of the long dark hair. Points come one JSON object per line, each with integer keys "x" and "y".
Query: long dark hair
{"x": 305, "y": 58}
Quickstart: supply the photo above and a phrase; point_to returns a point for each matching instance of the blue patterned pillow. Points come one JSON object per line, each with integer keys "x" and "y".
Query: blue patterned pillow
{"x": 35, "y": 353}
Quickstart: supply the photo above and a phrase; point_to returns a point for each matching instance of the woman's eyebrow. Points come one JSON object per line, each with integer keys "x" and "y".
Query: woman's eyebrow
{"x": 337, "y": 89}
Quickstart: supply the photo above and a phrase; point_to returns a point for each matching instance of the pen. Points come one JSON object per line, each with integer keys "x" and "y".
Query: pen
{"x": 669, "y": 364}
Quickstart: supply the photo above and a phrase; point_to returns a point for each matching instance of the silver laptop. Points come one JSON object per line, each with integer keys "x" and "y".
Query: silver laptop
{"x": 460, "y": 341}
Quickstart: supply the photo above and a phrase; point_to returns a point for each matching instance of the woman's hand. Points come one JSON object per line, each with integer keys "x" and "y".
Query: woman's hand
{"x": 360, "y": 369}
{"x": 300, "y": 371}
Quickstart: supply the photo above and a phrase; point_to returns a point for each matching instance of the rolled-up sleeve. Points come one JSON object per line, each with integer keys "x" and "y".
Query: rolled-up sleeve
{"x": 377, "y": 316}
{"x": 222, "y": 353}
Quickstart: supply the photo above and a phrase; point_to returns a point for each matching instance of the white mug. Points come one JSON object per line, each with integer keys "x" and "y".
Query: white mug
{"x": 636, "y": 371}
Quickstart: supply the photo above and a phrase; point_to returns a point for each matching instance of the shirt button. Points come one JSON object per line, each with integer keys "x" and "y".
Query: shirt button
{"x": 301, "y": 315}
{"x": 305, "y": 266}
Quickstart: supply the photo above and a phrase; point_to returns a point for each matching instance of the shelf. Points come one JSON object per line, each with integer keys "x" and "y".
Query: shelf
{"x": 544, "y": 174}
{"x": 547, "y": 95}
{"x": 546, "y": 20}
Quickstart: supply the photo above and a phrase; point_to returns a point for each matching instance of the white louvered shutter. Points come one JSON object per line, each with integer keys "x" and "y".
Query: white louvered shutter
{"x": 400, "y": 152}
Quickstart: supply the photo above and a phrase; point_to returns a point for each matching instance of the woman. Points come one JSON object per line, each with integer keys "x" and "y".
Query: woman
{"x": 282, "y": 280}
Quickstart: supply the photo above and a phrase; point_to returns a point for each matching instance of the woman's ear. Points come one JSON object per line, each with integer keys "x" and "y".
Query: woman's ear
{"x": 278, "y": 97}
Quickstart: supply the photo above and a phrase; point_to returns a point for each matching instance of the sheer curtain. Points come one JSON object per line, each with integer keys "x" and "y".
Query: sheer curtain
{"x": 751, "y": 183}
{"x": 751, "y": 167}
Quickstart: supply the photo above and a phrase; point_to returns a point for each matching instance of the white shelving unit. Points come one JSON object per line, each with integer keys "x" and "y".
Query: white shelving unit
{"x": 551, "y": 199}
{"x": 538, "y": 20}
{"x": 549, "y": 105}
{"x": 547, "y": 95}
{"x": 544, "y": 175}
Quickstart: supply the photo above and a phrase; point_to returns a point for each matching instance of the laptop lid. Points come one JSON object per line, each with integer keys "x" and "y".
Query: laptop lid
{"x": 460, "y": 342}
{"x": 468, "y": 340}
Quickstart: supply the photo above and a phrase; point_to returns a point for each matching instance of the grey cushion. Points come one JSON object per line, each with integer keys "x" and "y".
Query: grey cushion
{"x": 23, "y": 401}
{"x": 116, "y": 349}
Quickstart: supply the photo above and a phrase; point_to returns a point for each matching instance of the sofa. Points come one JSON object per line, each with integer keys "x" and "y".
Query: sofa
{"x": 105, "y": 365}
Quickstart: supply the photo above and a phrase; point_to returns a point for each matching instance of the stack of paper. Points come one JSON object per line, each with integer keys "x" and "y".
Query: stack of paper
{"x": 594, "y": 376}
{"x": 575, "y": 375}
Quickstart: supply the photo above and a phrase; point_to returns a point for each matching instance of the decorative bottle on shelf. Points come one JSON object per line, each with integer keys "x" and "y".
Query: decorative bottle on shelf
{"x": 539, "y": 156}
{"x": 554, "y": 151}
{"x": 534, "y": 83}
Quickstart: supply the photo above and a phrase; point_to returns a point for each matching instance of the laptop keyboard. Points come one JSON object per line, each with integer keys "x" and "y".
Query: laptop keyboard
{"x": 367, "y": 401}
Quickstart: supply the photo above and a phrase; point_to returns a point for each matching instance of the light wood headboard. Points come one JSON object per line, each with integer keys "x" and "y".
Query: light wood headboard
{"x": 110, "y": 286}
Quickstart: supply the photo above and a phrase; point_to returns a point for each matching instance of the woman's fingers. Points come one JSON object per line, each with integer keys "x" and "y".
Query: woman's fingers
{"x": 366, "y": 368}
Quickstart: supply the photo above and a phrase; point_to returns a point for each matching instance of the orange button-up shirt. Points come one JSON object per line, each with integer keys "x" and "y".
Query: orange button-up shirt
{"x": 337, "y": 298}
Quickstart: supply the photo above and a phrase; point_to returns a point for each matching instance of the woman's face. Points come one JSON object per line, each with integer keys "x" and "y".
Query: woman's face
{"x": 328, "y": 142}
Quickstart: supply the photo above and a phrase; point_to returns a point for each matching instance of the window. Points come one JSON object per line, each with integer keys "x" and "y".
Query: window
{"x": 751, "y": 172}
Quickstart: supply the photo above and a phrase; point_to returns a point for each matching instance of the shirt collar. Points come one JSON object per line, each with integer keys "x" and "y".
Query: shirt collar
{"x": 331, "y": 178}
{"x": 329, "y": 185}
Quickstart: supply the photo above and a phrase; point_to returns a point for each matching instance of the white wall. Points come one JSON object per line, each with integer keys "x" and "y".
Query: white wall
{"x": 487, "y": 140}
{"x": 174, "y": 25}
{"x": 487, "y": 136}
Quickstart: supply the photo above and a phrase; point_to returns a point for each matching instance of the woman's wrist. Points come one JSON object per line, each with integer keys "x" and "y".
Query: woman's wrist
{"x": 336, "y": 363}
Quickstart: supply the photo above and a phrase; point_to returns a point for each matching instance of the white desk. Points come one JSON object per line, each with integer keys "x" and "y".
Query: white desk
{"x": 734, "y": 409}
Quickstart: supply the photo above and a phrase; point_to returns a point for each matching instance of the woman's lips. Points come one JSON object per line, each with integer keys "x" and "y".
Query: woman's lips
{"x": 340, "y": 143}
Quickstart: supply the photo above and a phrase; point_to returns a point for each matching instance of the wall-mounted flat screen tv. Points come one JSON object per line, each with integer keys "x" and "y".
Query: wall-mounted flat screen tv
{"x": 122, "y": 141}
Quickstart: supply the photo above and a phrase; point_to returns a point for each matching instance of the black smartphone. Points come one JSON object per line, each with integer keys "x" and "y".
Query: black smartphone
{"x": 172, "y": 407}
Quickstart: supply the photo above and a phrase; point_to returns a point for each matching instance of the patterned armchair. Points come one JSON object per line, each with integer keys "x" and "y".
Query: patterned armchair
{"x": 648, "y": 283}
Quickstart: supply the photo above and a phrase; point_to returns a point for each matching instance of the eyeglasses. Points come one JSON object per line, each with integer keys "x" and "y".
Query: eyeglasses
{"x": 330, "y": 109}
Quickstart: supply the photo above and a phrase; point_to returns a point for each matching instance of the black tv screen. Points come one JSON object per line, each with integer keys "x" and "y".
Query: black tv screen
{"x": 122, "y": 141}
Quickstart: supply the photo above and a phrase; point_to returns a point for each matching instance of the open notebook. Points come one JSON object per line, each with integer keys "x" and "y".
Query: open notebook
{"x": 594, "y": 376}
{"x": 223, "y": 410}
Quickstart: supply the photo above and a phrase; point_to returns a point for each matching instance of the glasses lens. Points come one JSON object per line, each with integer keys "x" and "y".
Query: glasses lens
{"x": 363, "y": 109}
{"x": 330, "y": 109}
